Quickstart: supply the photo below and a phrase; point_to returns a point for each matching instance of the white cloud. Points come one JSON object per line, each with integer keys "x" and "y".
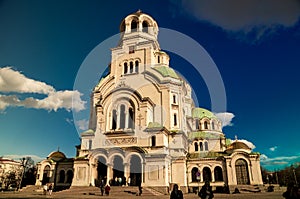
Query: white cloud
{"x": 274, "y": 148}
{"x": 82, "y": 124}
{"x": 226, "y": 118}
{"x": 14, "y": 81}
{"x": 281, "y": 161}
{"x": 248, "y": 16}
{"x": 15, "y": 157}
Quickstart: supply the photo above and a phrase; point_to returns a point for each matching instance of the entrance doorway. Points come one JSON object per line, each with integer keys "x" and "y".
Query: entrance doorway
{"x": 101, "y": 170}
{"x": 135, "y": 171}
{"x": 241, "y": 169}
{"x": 46, "y": 175}
{"x": 118, "y": 171}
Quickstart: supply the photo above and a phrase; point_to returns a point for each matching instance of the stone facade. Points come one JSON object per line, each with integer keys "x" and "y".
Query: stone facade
{"x": 144, "y": 126}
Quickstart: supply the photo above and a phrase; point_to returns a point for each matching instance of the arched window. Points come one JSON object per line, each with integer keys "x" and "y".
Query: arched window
{"x": 131, "y": 67}
{"x": 131, "y": 118}
{"x": 196, "y": 146}
{"x": 61, "y": 176}
{"x": 197, "y": 124}
{"x": 201, "y": 146}
{"x": 145, "y": 26}
{"x": 206, "y": 146}
{"x": 153, "y": 140}
{"x": 218, "y": 173}
{"x": 206, "y": 174}
{"x": 174, "y": 99}
{"x": 205, "y": 125}
{"x": 122, "y": 116}
{"x": 213, "y": 125}
{"x": 136, "y": 66}
{"x": 114, "y": 120}
{"x": 69, "y": 176}
{"x": 241, "y": 169}
{"x": 175, "y": 119}
{"x": 195, "y": 173}
{"x": 133, "y": 26}
{"x": 158, "y": 59}
{"x": 125, "y": 68}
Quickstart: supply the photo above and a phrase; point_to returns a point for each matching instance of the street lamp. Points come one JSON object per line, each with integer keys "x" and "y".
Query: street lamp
{"x": 295, "y": 177}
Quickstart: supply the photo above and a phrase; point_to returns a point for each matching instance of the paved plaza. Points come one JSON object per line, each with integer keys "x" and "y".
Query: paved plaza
{"x": 118, "y": 194}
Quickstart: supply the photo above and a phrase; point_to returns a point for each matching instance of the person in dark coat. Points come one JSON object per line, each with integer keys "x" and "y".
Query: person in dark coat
{"x": 176, "y": 193}
{"x": 206, "y": 191}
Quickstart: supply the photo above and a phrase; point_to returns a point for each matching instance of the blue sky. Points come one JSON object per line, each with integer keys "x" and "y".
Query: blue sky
{"x": 254, "y": 44}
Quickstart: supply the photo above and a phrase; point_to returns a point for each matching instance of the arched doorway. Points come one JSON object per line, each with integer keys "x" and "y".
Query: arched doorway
{"x": 218, "y": 174}
{"x": 118, "y": 169}
{"x": 241, "y": 169}
{"x": 195, "y": 174}
{"x": 135, "y": 171}
{"x": 46, "y": 175}
{"x": 101, "y": 170}
{"x": 206, "y": 174}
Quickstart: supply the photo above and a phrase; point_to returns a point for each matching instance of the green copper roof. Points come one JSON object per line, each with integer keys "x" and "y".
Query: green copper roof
{"x": 210, "y": 154}
{"x": 88, "y": 132}
{"x": 166, "y": 71}
{"x": 228, "y": 142}
{"x": 154, "y": 125}
{"x": 204, "y": 135}
{"x": 201, "y": 113}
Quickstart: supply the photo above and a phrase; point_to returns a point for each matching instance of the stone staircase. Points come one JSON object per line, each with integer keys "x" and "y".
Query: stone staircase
{"x": 246, "y": 188}
{"x": 31, "y": 189}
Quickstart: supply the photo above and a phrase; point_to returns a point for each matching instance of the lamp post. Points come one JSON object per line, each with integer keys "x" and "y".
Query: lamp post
{"x": 23, "y": 164}
{"x": 295, "y": 177}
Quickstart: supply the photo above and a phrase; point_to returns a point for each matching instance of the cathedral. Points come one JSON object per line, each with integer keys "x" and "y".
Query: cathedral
{"x": 145, "y": 129}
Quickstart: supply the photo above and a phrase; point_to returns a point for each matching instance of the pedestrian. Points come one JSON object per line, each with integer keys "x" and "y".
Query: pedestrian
{"x": 50, "y": 188}
{"x": 140, "y": 190}
{"x": 176, "y": 193}
{"x": 107, "y": 189}
{"x": 102, "y": 187}
{"x": 206, "y": 191}
{"x": 292, "y": 192}
{"x": 120, "y": 181}
{"x": 128, "y": 181}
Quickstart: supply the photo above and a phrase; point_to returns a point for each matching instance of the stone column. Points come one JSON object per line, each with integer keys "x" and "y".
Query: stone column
{"x": 109, "y": 172}
{"x": 118, "y": 113}
{"x": 126, "y": 119}
{"x": 143, "y": 173}
{"x": 127, "y": 170}
{"x": 213, "y": 176}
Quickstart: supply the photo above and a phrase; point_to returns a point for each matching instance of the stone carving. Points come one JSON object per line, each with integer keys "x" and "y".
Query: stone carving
{"x": 121, "y": 141}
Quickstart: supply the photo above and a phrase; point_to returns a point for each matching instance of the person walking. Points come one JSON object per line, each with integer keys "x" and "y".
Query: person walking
{"x": 176, "y": 193}
{"x": 206, "y": 191}
{"x": 50, "y": 188}
{"x": 107, "y": 189}
{"x": 102, "y": 183}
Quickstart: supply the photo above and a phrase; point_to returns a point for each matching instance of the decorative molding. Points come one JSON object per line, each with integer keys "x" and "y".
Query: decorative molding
{"x": 121, "y": 141}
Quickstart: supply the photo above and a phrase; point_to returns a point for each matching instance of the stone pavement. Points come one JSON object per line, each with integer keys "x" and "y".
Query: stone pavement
{"x": 126, "y": 193}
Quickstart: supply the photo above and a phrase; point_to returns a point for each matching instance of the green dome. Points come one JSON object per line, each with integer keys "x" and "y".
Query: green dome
{"x": 201, "y": 113}
{"x": 166, "y": 71}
